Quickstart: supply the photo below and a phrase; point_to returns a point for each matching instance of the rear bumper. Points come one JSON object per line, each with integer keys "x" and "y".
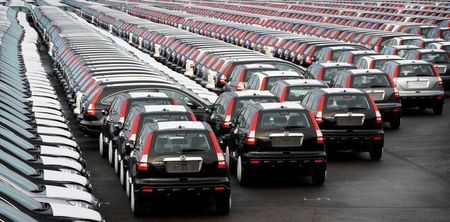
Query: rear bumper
{"x": 358, "y": 140}
{"x": 256, "y": 161}
{"x": 422, "y": 101}
{"x": 170, "y": 187}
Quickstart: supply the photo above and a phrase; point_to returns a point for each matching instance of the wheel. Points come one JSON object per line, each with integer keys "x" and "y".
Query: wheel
{"x": 318, "y": 177}
{"x": 116, "y": 162}
{"x": 110, "y": 152}
{"x": 121, "y": 173}
{"x": 241, "y": 174}
{"x": 437, "y": 109}
{"x": 101, "y": 145}
{"x": 136, "y": 205}
{"x": 223, "y": 205}
{"x": 127, "y": 183}
{"x": 376, "y": 153}
{"x": 395, "y": 123}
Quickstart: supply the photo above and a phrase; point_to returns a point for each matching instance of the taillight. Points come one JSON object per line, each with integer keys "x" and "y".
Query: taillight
{"x": 320, "y": 76}
{"x": 263, "y": 85}
{"x": 223, "y": 80}
{"x": 349, "y": 82}
{"x": 320, "y": 139}
{"x": 123, "y": 112}
{"x": 221, "y": 163}
{"x": 284, "y": 94}
{"x": 396, "y": 95}
{"x": 318, "y": 118}
{"x": 91, "y": 108}
{"x": 135, "y": 128}
{"x": 227, "y": 121}
{"x": 436, "y": 72}
{"x": 193, "y": 118}
{"x": 377, "y": 113}
{"x": 142, "y": 164}
{"x": 251, "y": 136}
{"x": 240, "y": 86}
{"x": 174, "y": 102}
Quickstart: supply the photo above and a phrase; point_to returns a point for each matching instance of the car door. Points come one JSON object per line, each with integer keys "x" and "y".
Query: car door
{"x": 242, "y": 127}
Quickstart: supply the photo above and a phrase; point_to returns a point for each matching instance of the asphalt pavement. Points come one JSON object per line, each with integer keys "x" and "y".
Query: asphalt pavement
{"x": 410, "y": 183}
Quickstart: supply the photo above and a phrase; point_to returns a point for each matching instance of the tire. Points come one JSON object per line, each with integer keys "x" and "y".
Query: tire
{"x": 223, "y": 205}
{"x": 241, "y": 175}
{"x": 395, "y": 123}
{"x": 116, "y": 162}
{"x": 376, "y": 153}
{"x": 437, "y": 109}
{"x": 127, "y": 184}
{"x": 110, "y": 152}
{"x": 121, "y": 174}
{"x": 101, "y": 146}
{"x": 136, "y": 205}
{"x": 318, "y": 177}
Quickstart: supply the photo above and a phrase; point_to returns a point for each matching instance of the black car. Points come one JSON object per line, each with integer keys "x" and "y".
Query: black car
{"x": 117, "y": 114}
{"x": 349, "y": 120}
{"x": 178, "y": 158}
{"x": 276, "y": 136}
{"x": 137, "y": 118}
{"x": 229, "y": 104}
{"x": 379, "y": 85}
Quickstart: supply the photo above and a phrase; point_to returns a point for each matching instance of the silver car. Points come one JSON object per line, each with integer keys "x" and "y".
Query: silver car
{"x": 418, "y": 83}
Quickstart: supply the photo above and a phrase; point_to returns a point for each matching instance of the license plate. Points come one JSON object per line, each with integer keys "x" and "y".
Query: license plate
{"x": 287, "y": 141}
{"x": 377, "y": 96}
{"x": 183, "y": 164}
{"x": 349, "y": 119}
{"x": 417, "y": 84}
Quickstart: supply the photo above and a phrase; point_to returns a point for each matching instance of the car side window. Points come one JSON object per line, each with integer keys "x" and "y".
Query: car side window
{"x": 179, "y": 97}
{"x": 234, "y": 75}
{"x": 315, "y": 102}
{"x": 250, "y": 82}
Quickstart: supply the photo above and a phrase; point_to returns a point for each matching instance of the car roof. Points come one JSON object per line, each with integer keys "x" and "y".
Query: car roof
{"x": 340, "y": 90}
{"x": 302, "y": 82}
{"x": 359, "y": 52}
{"x": 276, "y": 106}
{"x": 405, "y": 47}
{"x": 278, "y": 73}
{"x": 430, "y": 50}
{"x": 255, "y": 66}
{"x": 364, "y": 71}
{"x": 252, "y": 93}
{"x": 165, "y": 108}
{"x": 382, "y": 57}
{"x": 147, "y": 94}
{"x": 408, "y": 62}
{"x": 335, "y": 64}
{"x": 184, "y": 125}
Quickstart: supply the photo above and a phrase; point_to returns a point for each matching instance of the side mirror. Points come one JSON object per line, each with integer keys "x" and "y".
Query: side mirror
{"x": 105, "y": 112}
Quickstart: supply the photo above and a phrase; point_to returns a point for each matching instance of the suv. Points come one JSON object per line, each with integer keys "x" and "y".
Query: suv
{"x": 229, "y": 104}
{"x": 265, "y": 80}
{"x": 276, "y": 135}
{"x": 178, "y": 158}
{"x": 418, "y": 83}
{"x": 240, "y": 75}
{"x": 295, "y": 89}
{"x": 349, "y": 120}
{"x": 379, "y": 85}
{"x": 117, "y": 113}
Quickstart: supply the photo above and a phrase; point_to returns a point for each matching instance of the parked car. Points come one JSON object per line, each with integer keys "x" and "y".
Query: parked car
{"x": 349, "y": 120}
{"x": 418, "y": 83}
{"x": 187, "y": 150}
{"x": 281, "y": 136}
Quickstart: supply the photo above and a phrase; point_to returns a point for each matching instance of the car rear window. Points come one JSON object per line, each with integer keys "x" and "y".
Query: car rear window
{"x": 245, "y": 101}
{"x": 379, "y": 63}
{"x": 346, "y": 103}
{"x": 274, "y": 79}
{"x": 434, "y": 57}
{"x": 250, "y": 72}
{"x": 179, "y": 142}
{"x": 403, "y": 52}
{"x": 283, "y": 120}
{"x": 337, "y": 54}
{"x": 297, "y": 93}
{"x": 330, "y": 73}
{"x": 415, "y": 70}
{"x": 370, "y": 81}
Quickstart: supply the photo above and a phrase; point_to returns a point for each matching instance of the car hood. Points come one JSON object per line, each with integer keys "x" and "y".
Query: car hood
{"x": 63, "y": 162}
{"x": 63, "y": 210}
{"x": 68, "y": 194}
{"x": 53, "y": 175}
{"x": 58, "y": 151}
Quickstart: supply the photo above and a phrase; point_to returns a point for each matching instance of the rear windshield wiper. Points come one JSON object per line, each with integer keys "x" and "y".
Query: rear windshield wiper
{"x": 423, "y": 74}
{"x": 192, "y": 150}
{"x": 356, "y": 108}
{"x": 378, "y": 86}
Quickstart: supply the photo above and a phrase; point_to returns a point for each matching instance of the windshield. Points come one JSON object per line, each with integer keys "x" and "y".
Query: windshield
{"x": 346, "y": 103}
{"x": 178, "y": 142}
{"x": 435, "y": 57}
{"x": 370, "y": 81}
{"x": 415, "y": 70}
{"x": 19, "y": 197}
{"x": 297, "y": 93}
{"x": 15, "y": 139}
{"x": 19, "y": 180}
{"x": 274, "y": 79}
{"x": 24, "y": 155}
{"x": 281, "y": 120}
{"x": 243, "y": 102}
{"x": 13, "y": 214}
{"x": 330, "y": 73}
{"x": 17, "y": 164}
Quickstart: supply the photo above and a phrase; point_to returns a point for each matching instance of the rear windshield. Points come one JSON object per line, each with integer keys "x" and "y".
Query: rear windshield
{"x": 408, "y": 41}
{"x": 179, "y": 142}
{"x": 243, "y": 102}
{"x": 403, "y": 52}
{"x": 346, "y": 103}
{"x": 297, "y": 93}
{"x": 415, "y": 70}
{"x": 283, "y": 120}
{"x": 274, "y": 79}
{"x": 370, "y": 81}
{"x": 164, "y": 117}
{"x": 250, "y": 72}
{"x": 337, "y": 54}
{"x": 379, "y": 63}
{"x": 330, "y": 73}
{"x": 435, "y": 57}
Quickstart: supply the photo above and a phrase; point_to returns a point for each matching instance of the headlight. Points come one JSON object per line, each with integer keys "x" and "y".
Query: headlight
{"x": 75, "y": 187}
{"x": 80, "y": 204}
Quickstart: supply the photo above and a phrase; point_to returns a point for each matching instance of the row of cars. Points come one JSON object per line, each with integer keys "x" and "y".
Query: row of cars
{"x": 43, "y": 176}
